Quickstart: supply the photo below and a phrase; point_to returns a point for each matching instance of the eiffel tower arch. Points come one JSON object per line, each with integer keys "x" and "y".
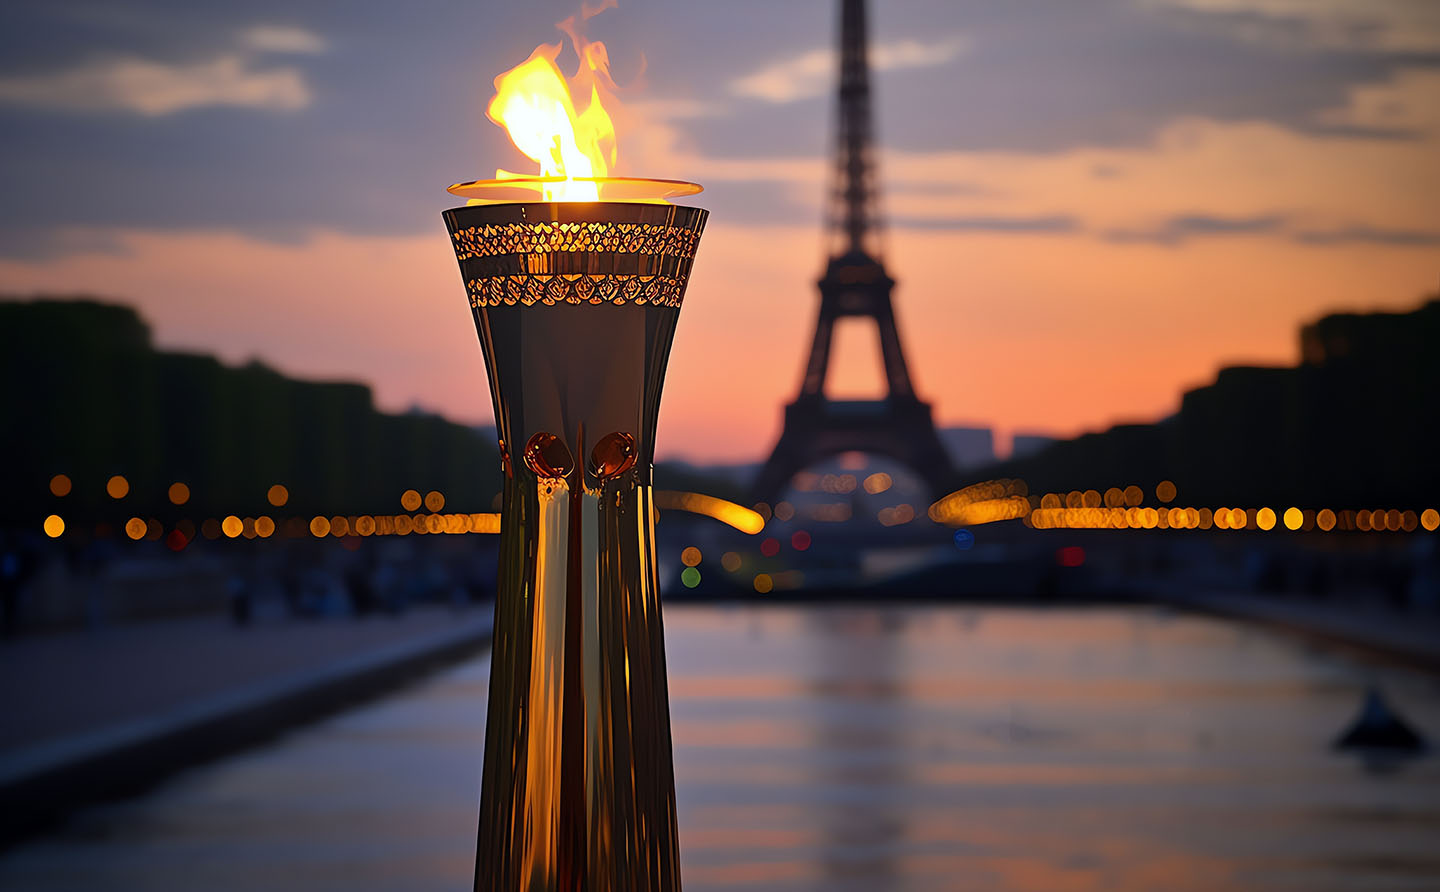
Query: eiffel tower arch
{"x": 855, "y": 284}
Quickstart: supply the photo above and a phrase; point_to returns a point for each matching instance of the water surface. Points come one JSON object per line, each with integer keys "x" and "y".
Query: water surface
{"x": 857, "y": 749}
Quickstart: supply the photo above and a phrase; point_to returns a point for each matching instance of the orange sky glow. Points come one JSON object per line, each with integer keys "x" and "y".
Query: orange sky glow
{"x": 1107, "y": 316}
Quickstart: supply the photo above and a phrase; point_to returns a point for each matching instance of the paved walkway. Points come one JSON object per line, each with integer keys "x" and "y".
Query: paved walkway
{"x": 62, "y": 684}
{"x": 1412, "y": 638}
{"x": 107, "y": 712}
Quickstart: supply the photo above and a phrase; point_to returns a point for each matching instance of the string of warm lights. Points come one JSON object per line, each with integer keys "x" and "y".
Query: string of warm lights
{"x": 1121, "y": 509}
{"x": 364, "y": 525}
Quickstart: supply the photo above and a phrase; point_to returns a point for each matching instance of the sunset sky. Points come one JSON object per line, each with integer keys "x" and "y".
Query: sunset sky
{"x": 1093, "y": 204}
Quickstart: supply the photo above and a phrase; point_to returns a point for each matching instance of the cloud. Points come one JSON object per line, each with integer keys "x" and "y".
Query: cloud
{"x": 1364, "y": 234}
{"x": 155, "y": 89}
{"x": 281, "y": 39}
{"x": 1385, "y": 26}
{"x": 1402, "y": 106}
{"x": 1002, "y": 225}
{"x": 1179, "y": 229}
{"x": 812, "y": 73}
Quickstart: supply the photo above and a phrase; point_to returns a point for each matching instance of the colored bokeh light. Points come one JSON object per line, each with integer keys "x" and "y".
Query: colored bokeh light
{"x": 178, "y": 493}
{"x": 117, "y": 487}
{"x": 60, "y": 485}
{"x": 690, "y": 557}
{"x": 690, "y": 577}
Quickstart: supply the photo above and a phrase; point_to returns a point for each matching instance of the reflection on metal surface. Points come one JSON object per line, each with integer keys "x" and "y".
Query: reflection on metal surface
{"x": 578, "y": 786}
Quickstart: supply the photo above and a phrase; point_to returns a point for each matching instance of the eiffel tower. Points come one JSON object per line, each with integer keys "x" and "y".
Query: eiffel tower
{"x": 855, "y": 284}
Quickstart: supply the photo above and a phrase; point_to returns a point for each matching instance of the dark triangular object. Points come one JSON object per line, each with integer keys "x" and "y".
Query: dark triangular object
{"x": 1378, "y": 727}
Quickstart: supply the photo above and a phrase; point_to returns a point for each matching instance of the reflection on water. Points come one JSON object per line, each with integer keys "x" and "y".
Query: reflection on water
{"x": 856, "y": 749}
{"x": 1011, "y": 749}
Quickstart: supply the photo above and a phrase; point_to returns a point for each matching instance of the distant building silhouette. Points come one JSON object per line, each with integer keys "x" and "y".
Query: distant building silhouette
{"x": 84, "y": 393}
{"x": 1022, "y": 445}
{"x": 968, "y": 447}
{"x": 1356, "y": 424}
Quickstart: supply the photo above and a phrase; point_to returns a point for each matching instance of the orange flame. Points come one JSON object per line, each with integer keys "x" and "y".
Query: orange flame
{"x": 537, "y": 106}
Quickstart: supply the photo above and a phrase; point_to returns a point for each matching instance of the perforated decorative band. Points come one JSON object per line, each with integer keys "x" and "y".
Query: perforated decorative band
{"x": 499, "y": 239}
{"x": 549, "y": 290}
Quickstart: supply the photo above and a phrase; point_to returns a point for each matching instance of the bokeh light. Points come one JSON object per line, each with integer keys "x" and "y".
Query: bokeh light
{"x": 1430, "y": 519}
{"x": 763, "y": 583}
{"x": 1165, "y": 491}
{"x": 410, "y": 500}
{"x": 232, "y": 526}
{"x": 737, "y": 516}
{"x": 55, "y": 526}
{"x": 878, "y": 482}
{"x": 964, "y": 539}
{"x": 434, "y": 500}
{"x": 690, "y": 577}
{"x": 1294, "y": 518}
{"x": 135, "y": 528}
{"x": 800, "y": 540}
{"x": 770, "y": 547}
{"x": 60, "y": 485}
{"x": 117, "y": 487}
{"x": 690, "y": 557}
{"x": 730, "y": 561}
{"x": 277, "y": 495}
{"x": 178, "y": 493}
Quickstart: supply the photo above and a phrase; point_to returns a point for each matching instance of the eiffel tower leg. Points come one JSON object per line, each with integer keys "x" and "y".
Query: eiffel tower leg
{"x": 897, "y": 373}
{"x": 819, "y": 363}
{"x": 788, "y": 458}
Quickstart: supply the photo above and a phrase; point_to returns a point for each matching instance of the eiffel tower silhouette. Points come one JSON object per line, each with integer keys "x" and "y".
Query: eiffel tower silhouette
{"x": 855, "y": 284}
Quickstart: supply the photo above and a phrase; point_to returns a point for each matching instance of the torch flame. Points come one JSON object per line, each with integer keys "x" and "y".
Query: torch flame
{"x": 533, "y": 102}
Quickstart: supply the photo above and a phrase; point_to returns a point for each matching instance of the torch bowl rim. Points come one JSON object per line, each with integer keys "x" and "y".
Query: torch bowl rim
{"x": 526, "y": 189}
